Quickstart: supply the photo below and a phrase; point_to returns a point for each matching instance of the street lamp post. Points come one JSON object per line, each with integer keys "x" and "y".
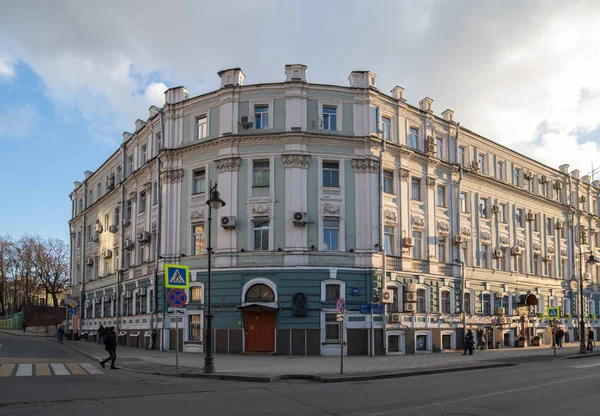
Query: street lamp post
{"x": 215, "y": 202}
{"x": 591, "y": 260}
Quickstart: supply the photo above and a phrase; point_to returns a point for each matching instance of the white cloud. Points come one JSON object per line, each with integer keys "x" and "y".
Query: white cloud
{"x": 522, "y": 74}
{"x": 18, "y": 121}
{"x": 7, "y": 68}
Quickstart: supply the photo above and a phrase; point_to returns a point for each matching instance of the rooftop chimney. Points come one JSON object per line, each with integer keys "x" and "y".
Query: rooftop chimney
{"x": 153, "y": 110}
{"x": 448, "y": 115}
{"x": 564, "y": 168}
{"x": 295, "y": 72}
{"x": 363, "y": 79}
{"x": 76, "y": 185}
{"x": 139, "y": 124}
{"x": 586, "y": 179}
{"x": 425, "y": 104}
{"x": 575, "y": 174}
{"x": 596, "y": 184}
{"x": 232, "y": 77}
{"x": 127, "y": 136}
{"x": 176, "y": 95}
{"x": 87, "y": 174}
{"x": 398, "y": 93}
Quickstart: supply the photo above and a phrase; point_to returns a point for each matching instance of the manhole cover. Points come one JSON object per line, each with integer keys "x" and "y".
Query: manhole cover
{"x": 150, "y": 381}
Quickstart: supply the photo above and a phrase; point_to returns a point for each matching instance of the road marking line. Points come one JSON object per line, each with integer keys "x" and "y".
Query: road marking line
{"x": 42, "y": 370}
{"x": 6, "y": 370}
{"x": 497, "y": 393}
{"x": 90, "y": 368}
{"x": 60, "y": 370}
{"x": 75, "y": 369}
{"x": 584, "y": 365}
{"x": 24, "y": 370}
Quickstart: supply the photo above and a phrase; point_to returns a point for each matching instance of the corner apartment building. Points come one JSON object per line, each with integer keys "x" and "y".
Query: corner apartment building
{"x": 331, "y": 191}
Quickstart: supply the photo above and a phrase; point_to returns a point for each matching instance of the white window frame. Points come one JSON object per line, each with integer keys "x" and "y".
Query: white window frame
{"x": 400, "y": 287}
{"x": 452, "y": 340}
{"x": 591, "y": 307}
{"x": 509, "y": 309}
{"x": 452, "y": 298}
{"x": 408, "y": 136}
{"x": 143, "y": 153}
{"x": 339, "y": 234}
{"x": 568, "y": 308}
{"x": 338, "y": 114}
{"x": 429, "y": 346}
{"x": 427, "y": 296}
{"x": 263, "y": 126}
{"x": 439, "y": 148}
{"x": 331, "y": 347}
{"x": 251, "y": 234}
{"x": 340, "y": 163}
{"x": 258, "y": 102}
{"x": 189, "y": 292}
{"x": 199, "y": 117}
{"x": 472, "y": 302}
{"x": 401, "y": 342}
{"x": 195, "y": 345}
{"x": 387, "y": 130}
{"x": 326, "y": 282}
{"x": 492, "y": 311}
{"x": 442, "y": 203}
{"x": 195, "y": 170}
{"x": 263, "y": 281}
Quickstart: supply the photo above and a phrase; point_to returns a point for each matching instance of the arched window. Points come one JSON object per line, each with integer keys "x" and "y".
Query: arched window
{"x": 445, "y": 300}
{"x": 486, "y": 299}
{"x": 468, "y": 303}
{"x": 260, "y": 293}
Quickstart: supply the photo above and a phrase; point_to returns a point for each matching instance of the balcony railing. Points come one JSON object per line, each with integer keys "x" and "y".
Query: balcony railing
{"x": 420, "y": 266}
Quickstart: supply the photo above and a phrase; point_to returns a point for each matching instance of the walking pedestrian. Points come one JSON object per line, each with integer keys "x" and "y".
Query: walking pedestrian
{"x": 60, "y": 332}
{"x": 469, "y": 342}
{"x": 24, "y": 326}
{"x": 482, "y": 343}
{"x": 110, "y": 342}
{"x": 101, "y": 334}
{"x": 590, "y": 343}
{"x": 559, "y": 337}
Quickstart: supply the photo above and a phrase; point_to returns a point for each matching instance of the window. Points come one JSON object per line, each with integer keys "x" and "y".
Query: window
{"x": 500, "y": 170}
{"x": 261, "y": 117}
{"x": 464, "y": 253}
{"x": 195, "y": 330}
{"x": 329, "y": 118}
{"x": 331, "y": 235}
{"x": 483, "y": 256}
{"x": 105, "y": 268}
{"x": 520, "y": 264}
{"x": 98, "y": 191}
{"x": 463, "y": 202}
{"x": 388, "y": 182}
{"x": 159, "y": 141}
{"x": 198, "y": 241}
{"x": 142, "y": 207}
{"x": 439, "y": 148}
{"x": 90, "y": 200}
{"x": 388, "y": 243}
{"x": 536, "y": 222}
{"x": 127, "y": 259}
{"x": 395, "y": 305}
{"x": 516, "y": 176}
{"x": 332, "y": 292}
{"x": 331, "y": 174}
{"x": 503, "y": 262}
{"x": 563, "y": 233}
{"x": 386, "y": 128}
{"x": 544, "y": 189}
{"x": 416, "y": 251}
{"x": 119, "y": 174}
{"x": 520, "y": 217}
{"x": 332, "y": 328}
{"x": 502, "y": 213}
{"x": 154, "y": 193}
{"x": 481, "y": 160}
{"x": 202, "y": 126}
{"x": 89, "y": 233}
{"x": 445, "y": 302}
{"x": 487, "y": 304}
{"x": 116, "y": 252}
{"x": 421, "y": 301}
{"x": 199, "y": 181}
{"x": 117, "y": 215}
{"x": 261, "y": 235}
{"x": 80, "y": 205}
{"x": 196, "y": 294}
{"x": 97, "y": 307}
{"x": 140, "y": 256}
{"x": 129, "y": 306}
{"x": 483, "y": 209}
{"x": 442, "y": 249}
{"x": 461, "y": 156}
{"x": 260, "y": 173}
{"x": 96, "y": 267}
{"x": 504, "y": 302}
{"x": 144, "y": 154}
{"x": 140, "y": 305}
{"x": 413, "y": 138}
{"x": 129, "y": 165}
{"x": 106, "y": 221}
{"x": 441, "y": 196}
{"x": 416, "y": 189}
{"x": 78, "y": 239}
{"x": 467, "y": 303}
{"x": 107, "y": 311}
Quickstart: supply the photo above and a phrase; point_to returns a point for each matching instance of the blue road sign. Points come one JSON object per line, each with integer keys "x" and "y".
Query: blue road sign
{"x": 365, "y": 308}
{"x": 177, "y": 276}
{"x": 378, "y": 308}
{"x": 341, "y": 305}
{"x": 553, "y": 312}
{"x": 177, "y": 298}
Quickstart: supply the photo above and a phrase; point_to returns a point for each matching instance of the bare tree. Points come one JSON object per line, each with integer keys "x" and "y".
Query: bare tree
{"x": 6, "y": 247}
{"x": 24, "y": 279}
{"x": 52, "y": 266}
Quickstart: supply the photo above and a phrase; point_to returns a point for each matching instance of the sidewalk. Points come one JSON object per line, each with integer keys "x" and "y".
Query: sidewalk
{"x": 324, "y": 369}
{"x": 28, "y": 333}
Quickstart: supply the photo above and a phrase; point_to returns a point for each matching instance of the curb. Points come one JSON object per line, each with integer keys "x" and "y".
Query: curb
{"x": 321, "y": 379}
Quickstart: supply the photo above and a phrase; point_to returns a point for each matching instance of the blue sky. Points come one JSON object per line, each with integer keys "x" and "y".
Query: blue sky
{"x": 75, "y": 74}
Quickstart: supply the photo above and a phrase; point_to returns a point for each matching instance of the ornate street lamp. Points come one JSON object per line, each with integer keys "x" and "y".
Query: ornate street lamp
{"x": 215, "y": 202}
{"x": 591, "y": 260}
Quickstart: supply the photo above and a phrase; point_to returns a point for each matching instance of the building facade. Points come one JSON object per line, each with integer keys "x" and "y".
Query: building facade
{"x": 331, "y": 192}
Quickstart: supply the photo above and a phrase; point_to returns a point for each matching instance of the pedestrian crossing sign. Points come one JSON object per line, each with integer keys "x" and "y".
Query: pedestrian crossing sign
{"x": 177, "y": 276}
{"x": 553, "y": 312}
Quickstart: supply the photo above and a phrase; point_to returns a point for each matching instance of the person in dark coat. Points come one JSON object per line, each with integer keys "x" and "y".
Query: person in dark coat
{"x": 559, "y": 337}
{"x": 590, "y": 343}
{"x": 101, "y": 334}
{"x": 60, "y": 333}
{"x": 110, "y": 342}
{"x": 24, "y": 326}
{"x": 469, "y": 341}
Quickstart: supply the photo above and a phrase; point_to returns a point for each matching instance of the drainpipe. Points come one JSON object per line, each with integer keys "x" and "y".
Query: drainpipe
{"x": 83, "y": 265}
{"x": 117, "y": 302}
{"x": 382, "y": 236}
{"x": 461, "y": 262}
{"x": 158, "y": 231}
{"x": 157, "y": 253}
{"x": 71, "y": 263}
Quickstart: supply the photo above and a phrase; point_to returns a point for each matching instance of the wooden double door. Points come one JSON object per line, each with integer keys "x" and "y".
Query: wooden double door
{"x": 260, "y": 331}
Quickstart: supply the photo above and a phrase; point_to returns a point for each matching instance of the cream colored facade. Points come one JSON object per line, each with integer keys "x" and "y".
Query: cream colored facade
{"x": 448, "y": 194}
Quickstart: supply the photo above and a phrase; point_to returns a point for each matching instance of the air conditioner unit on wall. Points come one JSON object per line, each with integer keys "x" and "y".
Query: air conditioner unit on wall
{"x": 128, "y": 244}
{"x": 407, "y": 242}
{"x": 300, "y": 218}
{"x": 498, "y": 254}
{"x": 459, "y": 239}
{"x": 245, "y": 123}
{"x": 582, "y": 198}
{"x": 431, "y": 148}
{"x": 529, "y": 175}
{"x": 475, "y": 166}
{"x": 544, "y": 179}
{"x": 95, "y": 238}
{"x": 559, "y": 224}
{"x": 517, "y": 251}
{"x": 530, "y": 216}
{"x": 495, "y": 208}
{"x": 410, "y": 297}
{"x": 430, "y": 140}
{"x": 89, "y": 261}
{"x": 143, "y": 236}
{"x": 548, "y": 257}
{"x": 106, "y": 253}
{"x": 558, "y": 186}
{"x": 411, "y": 288}
{"x": 587, "y": 276}
{"x": 396, "y": 317}
{"x": 228, "y": 221}
{"x": 500, "y": 311}
{"x": 113, "y": 229}
{"x": 410, "y": 307}
{"x": 387, "y": 296}
{"x": 98, "y": 228}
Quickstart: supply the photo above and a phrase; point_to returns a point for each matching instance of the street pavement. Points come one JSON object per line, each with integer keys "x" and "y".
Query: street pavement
{"x": 560, "y": 387}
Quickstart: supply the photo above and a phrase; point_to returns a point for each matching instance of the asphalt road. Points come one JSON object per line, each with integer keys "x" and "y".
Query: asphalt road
{"x": 567, "y": 387}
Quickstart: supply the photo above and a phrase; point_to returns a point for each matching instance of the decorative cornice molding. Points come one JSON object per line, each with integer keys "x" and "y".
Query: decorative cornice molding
{"x": 331, "y": 209}
{"x": 228, "y": 164}
{"x": 197, "y": 214}
{"x": 172, "y": 175}
{"x": 295, "y": 161}
{"x": 260, "y": 209}
{"x": 418, "y": 221}
{"x": 443, "y": 228}
{"x": 404, "y": 174}
{"x": 365, "y": 165}
{"x": 390, "y": 215}
{"x": 465, "y": 232}
{"x": 430, "y": 182}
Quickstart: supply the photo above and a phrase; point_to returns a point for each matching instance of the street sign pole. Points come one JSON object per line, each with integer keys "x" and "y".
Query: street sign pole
{"x": 177, "y": 342}
{"x": 342, "y": 345}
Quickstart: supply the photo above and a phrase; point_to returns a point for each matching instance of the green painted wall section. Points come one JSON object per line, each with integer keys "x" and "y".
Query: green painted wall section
{"x": 347, "y": 119}
{"x": 344, "y": 150}
{"x": 213, "y": 123}
{"x": 279, "y": 206}
{"x": 349, "y": 207}
{"x": 243, "y": 109}
{"x": 278, "y": 115}
{"x": 227, "y": 291}
{"x": 260, "y": 191}
{"x": 312, "y": 114}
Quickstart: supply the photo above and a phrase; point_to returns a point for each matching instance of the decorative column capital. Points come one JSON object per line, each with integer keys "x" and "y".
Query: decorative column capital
{"x": 172, "y": 175}
{"x": 430, "y": 182}
{"x": 228, "y": 164}
{"x": 295, "y": 161}
{"x": 404, "y": 174}
{"x": 365, "y": 165}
